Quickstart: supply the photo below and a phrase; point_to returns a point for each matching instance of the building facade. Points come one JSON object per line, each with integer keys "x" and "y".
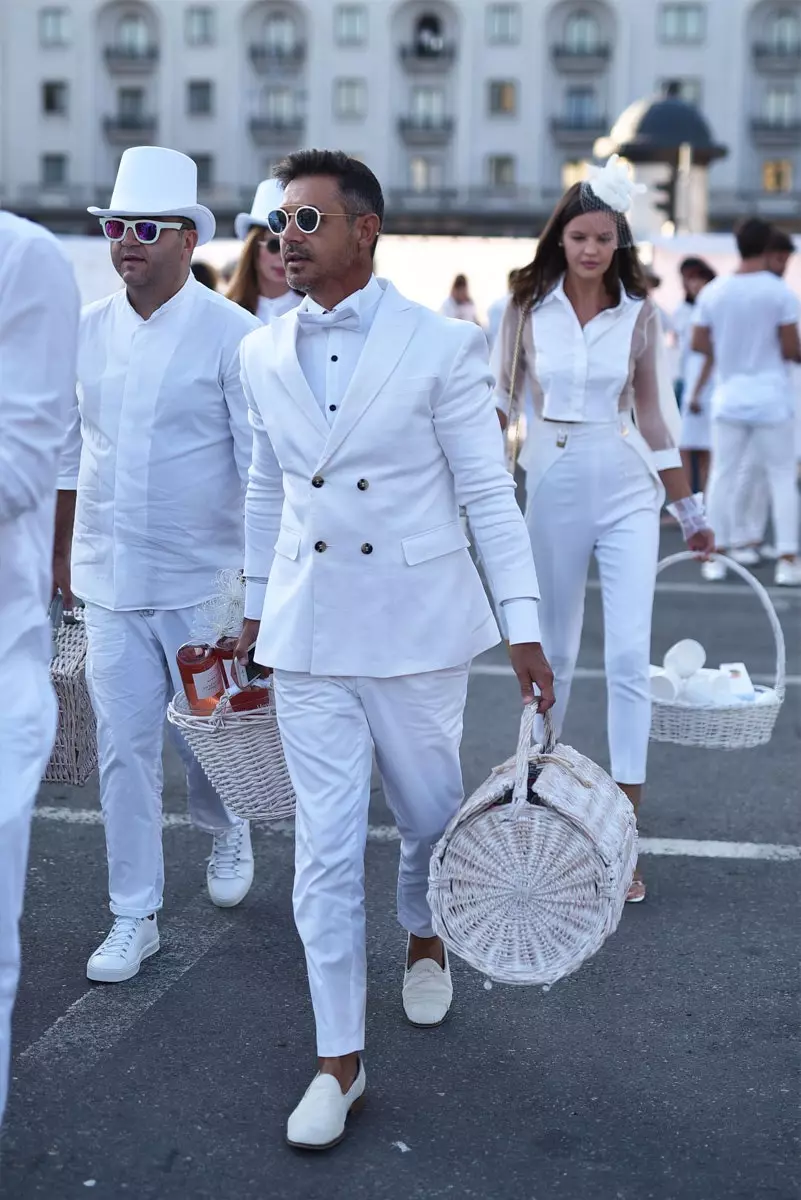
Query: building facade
{"x": 473, "y": 114}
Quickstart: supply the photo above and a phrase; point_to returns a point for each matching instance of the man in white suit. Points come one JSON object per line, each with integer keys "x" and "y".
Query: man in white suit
{"x": 373, "y": 422}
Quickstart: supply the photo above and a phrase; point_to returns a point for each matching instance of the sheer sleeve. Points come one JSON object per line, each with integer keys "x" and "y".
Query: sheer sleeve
{"x": 655, "y": 407}
{"x": 502, "y": 357}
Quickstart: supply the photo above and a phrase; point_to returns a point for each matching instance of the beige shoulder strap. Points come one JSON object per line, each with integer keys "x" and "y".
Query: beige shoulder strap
{"x": 515, "y": 401}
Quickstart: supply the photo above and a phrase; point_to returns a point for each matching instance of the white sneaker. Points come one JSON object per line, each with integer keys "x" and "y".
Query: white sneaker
{"x": 746, "y": 556}
{"x": 427, "y": 991}
{"x": 319, "y": 1120}
{"x": 788, "y": 574}
{"x": 713, "y": 571}
{"x": 119, "y": 957}
{"x": 229, "y": 874}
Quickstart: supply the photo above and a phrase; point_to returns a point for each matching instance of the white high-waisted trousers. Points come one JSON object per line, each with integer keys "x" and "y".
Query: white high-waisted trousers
{"x": 132, "y": 676}
{"x": 598, "y": 495}
{"x": 752, "y": 509}
{"x": 27, "y": 729}
{"x": 774, "y": 446}
{"x": 329, "y": 727}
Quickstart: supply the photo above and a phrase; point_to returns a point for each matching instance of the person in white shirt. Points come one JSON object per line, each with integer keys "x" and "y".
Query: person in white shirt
{"x": 603, "y": 452}
{"x": 158, "y": 449}
{"x": 373, "y": 422}
{"x": 747, "y": 327}
{"x": 695, "y": 441}
{"x": 459, "y": 304}
{"x": 259, "y": 281}
{"x": 39, "y": 308}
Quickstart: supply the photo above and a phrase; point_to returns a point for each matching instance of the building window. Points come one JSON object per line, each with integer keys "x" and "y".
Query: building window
{"x": 199, "y": 97}
{"x": 200, "y": 26}
{"x": 428, "y": 104}
{"x": 278, "y": 105}
{"x": 54, "y": 170}
{"x": 133, "y": 36}
{"x": 502, "y": 98}
{"x": 501, "y": 171}
{"x": 425, "y": 174}
{"x": 53, "y": 26}
{"x": 682, "y": 24}
{"x": 55, "y": 98}
{"x": 573, "y": 171}
{"x": 350, "y": 24}
{"x": 777, "y": 175}
{"x": 279, "y": 33}
{"x": 429, "y": 39}
{"x": 784, "y": 32}
{"x": 688, "y": 89}
{"x": 205, "y": 170}
{"x": 582, "y": 107}
{"x": 582, "y": 33}
{"x": 131, "y": 104}
{"x": 779, "y": 107}
{"x": 503, "y": 24}
{"x": 350, "y": 98}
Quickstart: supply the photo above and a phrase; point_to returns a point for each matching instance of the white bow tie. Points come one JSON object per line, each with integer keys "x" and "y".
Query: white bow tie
{"x": 347, "y": 317}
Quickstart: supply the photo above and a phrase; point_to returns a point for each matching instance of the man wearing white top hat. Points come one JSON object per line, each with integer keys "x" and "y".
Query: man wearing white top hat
{"x": 158, "y": 450}
{"x": 39, "y": 309}
{"x": 259, "y": 283}
{"x": 373, "y": 422}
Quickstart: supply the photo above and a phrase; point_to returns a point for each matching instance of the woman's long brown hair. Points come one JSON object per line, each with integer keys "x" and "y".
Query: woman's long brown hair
{"x": 533, "y": 283}
{"x": 244, "y": 287}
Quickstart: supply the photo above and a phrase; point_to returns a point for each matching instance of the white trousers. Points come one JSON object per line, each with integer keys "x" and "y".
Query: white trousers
{"x": 27, "y": 730}
{"x": 329, "y": 728}
{"x": 596, "y": 495}
{"x": 132, "y": 676}
{"x": 752, "y": 511}
{"x": 774, "y": 447}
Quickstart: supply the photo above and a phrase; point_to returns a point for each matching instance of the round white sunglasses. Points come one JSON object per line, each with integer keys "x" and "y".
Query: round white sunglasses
{"x": 307, "y": 218}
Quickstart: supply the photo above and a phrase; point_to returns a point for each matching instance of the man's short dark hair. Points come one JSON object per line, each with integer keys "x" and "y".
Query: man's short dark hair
{"x": 358, "y": 186}
{"x": 697, "y": 266}
{"x": 780, "y": 242}
{"x": 753, "y": 237}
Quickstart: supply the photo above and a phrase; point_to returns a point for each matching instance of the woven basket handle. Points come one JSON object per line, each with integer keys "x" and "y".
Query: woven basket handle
{"x": 767, "y": 604}
{"x": 524, "y": 749}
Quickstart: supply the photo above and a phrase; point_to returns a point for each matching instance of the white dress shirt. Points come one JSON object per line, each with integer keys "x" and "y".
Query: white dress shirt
{"x": 162, "y": 437}
{"x": 39, "y": 309}
{"x": 268, "y": 310}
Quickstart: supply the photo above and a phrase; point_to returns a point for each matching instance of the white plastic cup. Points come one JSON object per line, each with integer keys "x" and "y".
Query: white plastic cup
{"x": 699, "y": 688}
{"x": 665, "y": 684}
{"x": 686, "y": 658}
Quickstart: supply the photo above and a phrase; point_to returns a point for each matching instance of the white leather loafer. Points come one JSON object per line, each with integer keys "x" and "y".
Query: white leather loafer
{"x": 427, "y": 991}
{"x": 318, "y": 1122}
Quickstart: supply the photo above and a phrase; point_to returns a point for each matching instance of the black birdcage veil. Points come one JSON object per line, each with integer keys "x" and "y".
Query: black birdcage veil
{"x": 610, "y": 190}
{"x": 590, "y": 203}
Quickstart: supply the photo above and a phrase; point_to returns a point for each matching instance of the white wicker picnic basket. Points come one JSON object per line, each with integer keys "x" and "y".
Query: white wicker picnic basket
{"x": 531, "y": 875}
{"x": 731, "y": 726}
{"x": 74, "y": 755}
{"x": 242, "y": 755}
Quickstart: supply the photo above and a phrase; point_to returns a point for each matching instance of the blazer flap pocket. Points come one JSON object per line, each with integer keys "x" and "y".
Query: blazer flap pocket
{"x": 421, "y": 547}
{"x": 288, "y": 543}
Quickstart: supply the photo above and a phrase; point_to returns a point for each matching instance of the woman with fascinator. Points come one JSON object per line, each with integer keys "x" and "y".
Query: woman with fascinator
{"x": 583, "y": 335}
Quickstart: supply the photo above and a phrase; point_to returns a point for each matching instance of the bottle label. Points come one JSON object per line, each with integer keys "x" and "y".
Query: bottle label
{"x": 209, "y": 683}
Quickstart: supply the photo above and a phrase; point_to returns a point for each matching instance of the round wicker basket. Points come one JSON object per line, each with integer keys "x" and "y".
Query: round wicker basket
{"x": 243, "y": 757}
{"x": 730, "y": 726}
{"x": 531, "y": 875}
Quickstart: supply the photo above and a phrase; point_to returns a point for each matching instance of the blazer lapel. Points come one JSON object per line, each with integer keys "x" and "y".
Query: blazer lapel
{"x": 393, "y": 325}
{"x": 288, "y": 368}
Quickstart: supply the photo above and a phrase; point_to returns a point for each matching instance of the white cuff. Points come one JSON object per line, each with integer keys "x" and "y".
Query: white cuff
{"x": 521, "y": 620}
{"x": 255, "y": 590}
{"x": 666, "y": 460}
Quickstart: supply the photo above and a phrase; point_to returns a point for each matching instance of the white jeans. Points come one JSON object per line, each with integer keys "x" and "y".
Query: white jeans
{"x": 27, "y": 730}
{"x": 329, "y": 727}
{"x": 132, "y": 676}
{"x": 598, "y": 496}
{"x": 774, "y": 447}
{"x": 752, "y": 511}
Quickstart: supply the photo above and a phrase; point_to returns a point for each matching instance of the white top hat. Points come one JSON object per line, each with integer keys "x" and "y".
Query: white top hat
{"x": 155, "y": 182}
{"x": 269, "y": 195}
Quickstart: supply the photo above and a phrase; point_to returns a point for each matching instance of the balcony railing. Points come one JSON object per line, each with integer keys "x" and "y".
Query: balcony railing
{"x": 267, "y": 131}
{"x": 271, "y": 58}
{"x": 130, "y": 130}
{"x": 579, "y": 129}
{"x": 776, "y": 131}
{"x": 417, "y": 57}
{"x": 770, "y": 57}
{"x": 575, "y": 59}
{"x": 425, "y": 131}
{"x": 132, "y": 60}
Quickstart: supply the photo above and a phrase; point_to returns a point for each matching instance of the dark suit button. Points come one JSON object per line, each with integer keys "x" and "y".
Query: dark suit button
{"x": 367, "y": 548}
{"x": 318, "y": 481}
{"x": 320, "y": 547}
{"x": 363, "y": 485}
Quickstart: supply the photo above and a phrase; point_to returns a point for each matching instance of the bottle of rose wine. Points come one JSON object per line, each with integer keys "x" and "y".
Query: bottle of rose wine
{"x": 202, "y": 677}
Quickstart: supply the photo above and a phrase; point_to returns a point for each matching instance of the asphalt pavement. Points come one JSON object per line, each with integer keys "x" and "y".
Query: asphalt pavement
{"x": 667, "y": 1068}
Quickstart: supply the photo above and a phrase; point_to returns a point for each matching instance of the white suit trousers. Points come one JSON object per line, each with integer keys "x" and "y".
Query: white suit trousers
{"x": 329, "y": 727}
{"x": 27, "y": 730}
{"x": 733, "y": 442}
{"x": 132, "y": 676}
{"x": 752, "y": 511}
{"x": 598, "y": 496}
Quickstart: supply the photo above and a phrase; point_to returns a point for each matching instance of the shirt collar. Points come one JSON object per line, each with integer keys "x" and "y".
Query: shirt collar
{"x": 557, "y": 294}
{"x": 175, "y": 302}
{"x": 363, "y": 301}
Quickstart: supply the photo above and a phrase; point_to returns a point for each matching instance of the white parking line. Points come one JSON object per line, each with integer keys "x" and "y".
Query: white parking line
{"x": 668, "y": 847}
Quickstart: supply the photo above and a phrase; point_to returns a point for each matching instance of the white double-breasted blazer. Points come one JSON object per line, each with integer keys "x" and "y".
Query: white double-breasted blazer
{"x": 356, "y": 525}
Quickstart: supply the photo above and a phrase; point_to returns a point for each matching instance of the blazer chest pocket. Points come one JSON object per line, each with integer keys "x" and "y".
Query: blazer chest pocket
{"x": 287, "y": 544}
{"x": 434, "y": 543}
